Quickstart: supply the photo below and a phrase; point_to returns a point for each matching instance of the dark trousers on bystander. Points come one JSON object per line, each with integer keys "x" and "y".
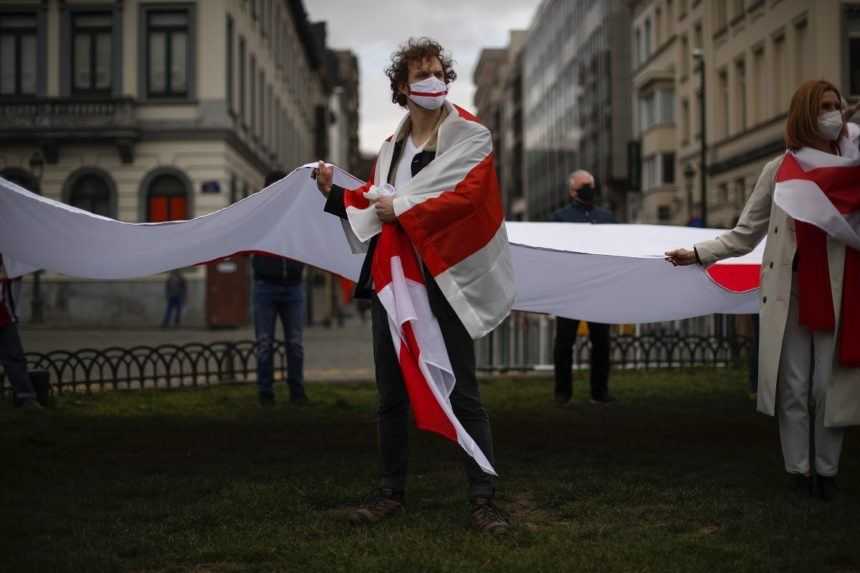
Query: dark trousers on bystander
{"x": 272, "y": 301}
{"x": 565, "y": 338}
{"x": 14, "y": 363}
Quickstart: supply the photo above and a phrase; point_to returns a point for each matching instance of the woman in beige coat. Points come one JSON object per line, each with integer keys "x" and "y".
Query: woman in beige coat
{"x": 793, "y": 358}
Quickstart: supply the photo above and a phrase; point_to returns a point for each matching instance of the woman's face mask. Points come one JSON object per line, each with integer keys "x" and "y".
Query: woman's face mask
{"x": 830, "y": 125}
{"x": 429, "y": 93}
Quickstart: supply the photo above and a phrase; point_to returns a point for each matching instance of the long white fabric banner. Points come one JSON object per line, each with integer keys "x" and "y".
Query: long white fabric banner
{"x": 602, "y": 273}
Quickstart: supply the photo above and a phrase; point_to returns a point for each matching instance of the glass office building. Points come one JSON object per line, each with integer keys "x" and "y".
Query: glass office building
{"x": 576, "y": 89}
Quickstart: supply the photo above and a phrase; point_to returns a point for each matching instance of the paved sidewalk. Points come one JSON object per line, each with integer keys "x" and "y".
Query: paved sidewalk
{"x": 331, "y": 354}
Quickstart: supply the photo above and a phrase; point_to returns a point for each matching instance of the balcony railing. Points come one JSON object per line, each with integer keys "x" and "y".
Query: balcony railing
{"x": 50, "y": 122}
{"x": 67, "y": 113}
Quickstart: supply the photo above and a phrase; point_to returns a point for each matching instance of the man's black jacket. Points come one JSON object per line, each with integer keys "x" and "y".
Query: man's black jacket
{"x": 334, "y": 205}
{"x": 579, "y": 212}
{"x": 277, "y": 269}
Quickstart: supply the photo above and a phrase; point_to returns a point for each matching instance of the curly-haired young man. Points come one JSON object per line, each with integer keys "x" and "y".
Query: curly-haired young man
{"x": 446, "y": 200}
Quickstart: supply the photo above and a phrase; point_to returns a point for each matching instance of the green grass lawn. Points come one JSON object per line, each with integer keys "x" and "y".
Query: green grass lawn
{"x": 680, "y": 475}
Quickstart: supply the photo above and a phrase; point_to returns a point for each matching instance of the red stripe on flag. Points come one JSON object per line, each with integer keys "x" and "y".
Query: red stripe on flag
{"x": 392, "y": 242}
{"x": 355, "y": 197}
{"x": 739, "y": 278}
{"x": 838, "y": 183}
{"x": 429, "y": 415}
{"x": 457, "y": 223}
{"x": 466, "y": 115}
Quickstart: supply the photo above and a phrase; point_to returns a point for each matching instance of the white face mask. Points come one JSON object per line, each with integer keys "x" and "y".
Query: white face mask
{"x": 429, "y": 93}
{"x": 830, "y": 125}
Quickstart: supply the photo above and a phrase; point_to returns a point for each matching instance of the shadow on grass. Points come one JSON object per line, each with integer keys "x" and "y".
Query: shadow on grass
{"x": 680, "y": 475}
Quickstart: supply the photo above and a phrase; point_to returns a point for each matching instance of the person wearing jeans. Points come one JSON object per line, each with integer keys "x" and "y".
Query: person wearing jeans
{"x": 287, "y": 302}
{"x": 279, "y": 293}
{"x": 11, "y": 350}
{"x": 175, "y": 290}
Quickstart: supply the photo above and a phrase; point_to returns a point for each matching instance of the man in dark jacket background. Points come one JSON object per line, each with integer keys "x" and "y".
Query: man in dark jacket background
{"x": 582, "y": 210}
{"x": 279, "y": 292}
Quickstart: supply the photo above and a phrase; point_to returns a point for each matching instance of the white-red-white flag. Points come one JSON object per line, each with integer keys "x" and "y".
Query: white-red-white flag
{"x": 424, "y": 363}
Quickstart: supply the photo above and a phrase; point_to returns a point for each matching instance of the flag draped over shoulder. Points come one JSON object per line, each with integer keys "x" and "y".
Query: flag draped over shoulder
{"x": 452, "y": 213}
{"x": 821, "y": 192}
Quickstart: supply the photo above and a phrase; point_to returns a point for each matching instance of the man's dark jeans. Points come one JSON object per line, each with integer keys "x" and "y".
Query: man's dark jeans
{"x": 565, "y": 337}
{"x": 393, "y": 412}
{"x": 173, "y": 310}
{"x": 273, "y": 300}
{"x": 14, "y": 363}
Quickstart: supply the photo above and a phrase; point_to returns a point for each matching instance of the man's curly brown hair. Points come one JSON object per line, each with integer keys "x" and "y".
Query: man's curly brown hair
{"x": 416, "y": 50}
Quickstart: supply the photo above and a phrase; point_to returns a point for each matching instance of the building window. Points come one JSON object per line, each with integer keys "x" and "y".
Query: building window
{"x": 723, "y": 194}
{"x": 646, "y": 40}
{"x": 720, "y": 16}
{"x": 685, "y": 121}
{"x": 656, "y": 108}
{"x": 242, "y": 80}
{"x": 91, "y": 52}
{"x": 852, "y": 49}
{"x": 685, "y": 56}
{"x": 166, "y": 199}
{"x": 667, "y": 106}
{"x": 649, "y": 173}
{"x": 646, "y": 112}
{"x": 658, "y": 169}
{"x": 234, "y": 188}
{"x": 658, "y": 28}
{"x": 778, "y": 68}
{"x": 758, "y": 92}
{"x": 668, "y": 167}
{"x": 670, "y": 17}
{"x": 261, "y": 103}
{"x": 91, "y": 193}
{"x": 664, "y": 213}
{"x": 740, "y": 192}
{"x": 231, "y": 101}
{"x": 18, "y": 35}
{"x": 723, "y": 94}
{"x": 637, "y": 49}
{"x": 741, "y": 94}
{"x": 252, "y": 96}
{"x": 801, "y": 51}
{"x": 698, "y": 41}
{"x": 168, "y": 52}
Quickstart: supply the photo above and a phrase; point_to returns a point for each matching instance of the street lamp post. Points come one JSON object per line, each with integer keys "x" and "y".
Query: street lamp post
{"x": 37, "y": 166}
{"x": 699, "y": 56}
{"x": 689, "y": 173}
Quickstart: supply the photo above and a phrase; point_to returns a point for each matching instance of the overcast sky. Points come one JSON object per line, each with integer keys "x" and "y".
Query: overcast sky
{"x": 374, "y": 28}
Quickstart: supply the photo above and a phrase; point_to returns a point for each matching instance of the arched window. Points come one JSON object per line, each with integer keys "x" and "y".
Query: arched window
{"x": 166, "y": 199}
{"x": 91, "y": 193}
{"x": 21, "y": 177}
